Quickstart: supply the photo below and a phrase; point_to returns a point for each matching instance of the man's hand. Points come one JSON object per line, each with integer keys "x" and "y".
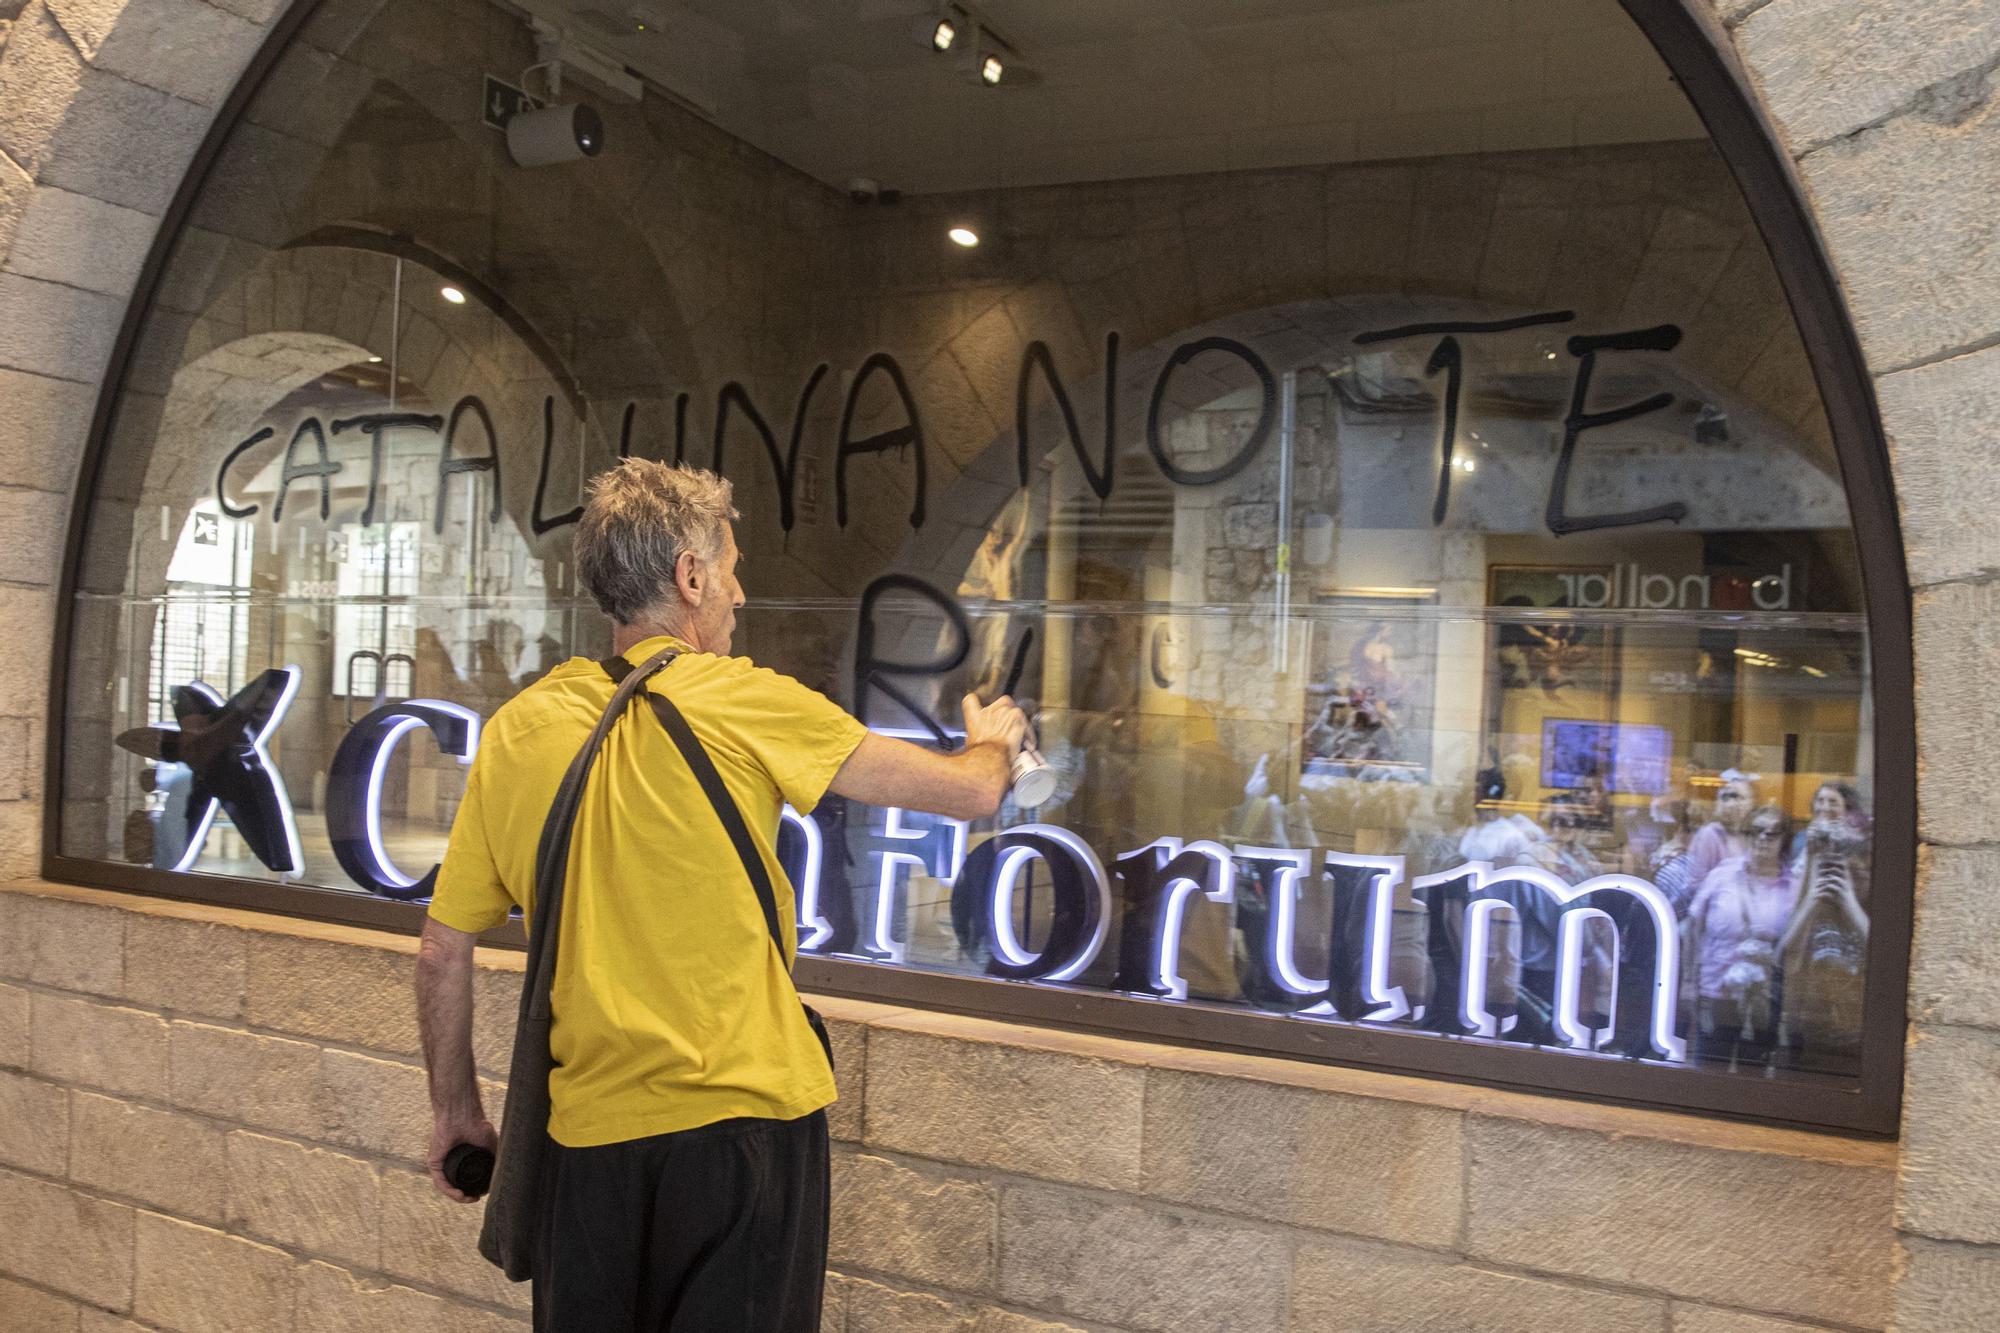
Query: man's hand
{"x": 999, "y": 722}
{"x": 448, "y": 1134}
{"x": 969, "y": 784}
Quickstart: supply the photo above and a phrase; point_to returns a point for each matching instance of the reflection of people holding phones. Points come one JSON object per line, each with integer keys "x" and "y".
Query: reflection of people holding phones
{"x": 1735, "y": 925}
{"x": 1825, "y": 944}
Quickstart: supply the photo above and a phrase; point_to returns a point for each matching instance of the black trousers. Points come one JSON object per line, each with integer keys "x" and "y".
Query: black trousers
{"x": 720, "y": 1229}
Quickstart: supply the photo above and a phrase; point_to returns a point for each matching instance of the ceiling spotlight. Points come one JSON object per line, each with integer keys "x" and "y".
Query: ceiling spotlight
{"x": 938, "y": 31}
{"x": 452, "y": 294}
{"x": 990, "y": 69}
{"x": 963, "y": 236}
{"x": 374, "y": 360}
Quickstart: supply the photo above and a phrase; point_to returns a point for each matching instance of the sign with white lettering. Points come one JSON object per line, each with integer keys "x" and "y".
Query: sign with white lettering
{"x": 231, "y": 767}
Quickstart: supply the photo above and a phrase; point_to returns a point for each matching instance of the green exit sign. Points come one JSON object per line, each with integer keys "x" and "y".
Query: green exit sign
{"x": 503, "y": 101}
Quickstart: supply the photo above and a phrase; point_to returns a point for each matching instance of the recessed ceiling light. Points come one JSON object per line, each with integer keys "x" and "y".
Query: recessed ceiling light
{"x": 374, "y": 360}
{"x": 964, "y": 236}
{"x": 452, "y": 294}
{"x": 991, "y": 70}
{"x": 943, "y": 34}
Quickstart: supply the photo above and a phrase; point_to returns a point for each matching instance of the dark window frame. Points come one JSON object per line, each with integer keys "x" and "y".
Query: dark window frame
{"x": 1698, "y": 52}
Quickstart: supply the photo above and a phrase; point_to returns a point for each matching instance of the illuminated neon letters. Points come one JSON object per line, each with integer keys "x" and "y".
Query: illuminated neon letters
{"x": 354, "y": 788}
{"x": 993, "y": 885}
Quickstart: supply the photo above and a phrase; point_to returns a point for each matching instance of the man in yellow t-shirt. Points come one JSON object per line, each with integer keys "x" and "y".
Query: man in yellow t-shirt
{"x": 688, "y": 1186}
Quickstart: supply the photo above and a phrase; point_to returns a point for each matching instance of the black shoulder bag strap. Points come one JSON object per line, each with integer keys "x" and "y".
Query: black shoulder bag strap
{"x": 514, "y": 1211}
{"x": 726, "y": 810}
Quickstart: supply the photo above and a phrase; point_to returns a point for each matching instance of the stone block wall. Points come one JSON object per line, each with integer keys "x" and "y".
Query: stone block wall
{"x": 1890, "y": 114}
{"x": 215, "y": 1120}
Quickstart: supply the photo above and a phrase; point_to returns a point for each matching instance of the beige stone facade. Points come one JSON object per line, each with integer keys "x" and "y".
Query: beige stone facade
{"x": 213, "y": 1121}
{"x": 222, "y": 1156}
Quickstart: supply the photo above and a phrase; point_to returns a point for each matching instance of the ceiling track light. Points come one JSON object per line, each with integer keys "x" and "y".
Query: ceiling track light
{"x": 990, "y": 55}
{"x": 957, "y": 27}
{"x": 939, "y": 30}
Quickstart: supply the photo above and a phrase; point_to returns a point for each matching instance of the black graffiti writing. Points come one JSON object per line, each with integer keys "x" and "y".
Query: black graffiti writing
{"x": 1037, "y": 357}
{"x": 1660, "y": 338}
{"x": 222, "y": 473}
{"x": 321, "y": 471}
{"x": 1451, "y": 360}
{"x": 909, "y": 435}
{"x": 1019, "y": 664}
{"x": 376, "y": 425}
{"x": 1267, "y": 414}
{"x": 870, "y": 669}
{"x": 625, "y": 432}
{"x": 543, "y": 526}
{"x": 880, "y": 681}
{"x": 1449, "y": 357}
{"x": 1463, "y": 326}
{"x": 451, "y": 465}
{"x": 307, "y": 456}
{"x": 785, "y": 467}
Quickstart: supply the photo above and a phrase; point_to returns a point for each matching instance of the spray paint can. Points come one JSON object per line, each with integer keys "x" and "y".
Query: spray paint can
{"x": 1033, "y": 781}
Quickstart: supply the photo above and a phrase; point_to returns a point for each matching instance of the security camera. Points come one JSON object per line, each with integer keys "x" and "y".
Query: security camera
{"x": 555, "y": 134}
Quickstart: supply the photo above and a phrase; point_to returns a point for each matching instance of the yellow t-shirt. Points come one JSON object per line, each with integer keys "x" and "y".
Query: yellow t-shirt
{"x": 672, "y": 1007}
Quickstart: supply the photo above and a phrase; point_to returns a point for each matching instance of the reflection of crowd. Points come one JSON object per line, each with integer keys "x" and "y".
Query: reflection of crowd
{"x": 1778, "y": 930}
{"x": 1773, "y": 923}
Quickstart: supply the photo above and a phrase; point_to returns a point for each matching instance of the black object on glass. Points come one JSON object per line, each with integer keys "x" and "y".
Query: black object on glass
{"x": 221, "y": 743}
{"x": 469, "y": 1169}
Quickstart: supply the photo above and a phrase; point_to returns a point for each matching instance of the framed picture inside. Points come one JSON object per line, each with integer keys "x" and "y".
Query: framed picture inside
{"x": 1371, "y": 684}
{"x": 1545, "y": 655}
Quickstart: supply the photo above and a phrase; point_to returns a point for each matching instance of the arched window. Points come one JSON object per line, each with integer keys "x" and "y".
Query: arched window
{"x": 1417, "y": 469}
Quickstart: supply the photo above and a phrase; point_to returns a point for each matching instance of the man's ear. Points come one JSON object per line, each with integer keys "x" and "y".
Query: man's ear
{"x": 689, "y": 576}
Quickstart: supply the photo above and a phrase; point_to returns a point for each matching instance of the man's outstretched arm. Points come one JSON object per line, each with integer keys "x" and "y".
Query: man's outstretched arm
{"x": 966, "y": 784}
{"x": 444, "y": 1016}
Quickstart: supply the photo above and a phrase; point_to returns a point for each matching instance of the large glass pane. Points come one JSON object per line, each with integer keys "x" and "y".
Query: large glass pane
{"x": 1373, "y": 438}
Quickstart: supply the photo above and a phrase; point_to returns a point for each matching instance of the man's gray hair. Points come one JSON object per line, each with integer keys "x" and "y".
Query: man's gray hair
{"x": 640, "y": 517}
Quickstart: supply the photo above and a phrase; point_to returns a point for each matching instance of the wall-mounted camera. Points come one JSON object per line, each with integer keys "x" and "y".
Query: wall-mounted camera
{"x": 567, "y": 133}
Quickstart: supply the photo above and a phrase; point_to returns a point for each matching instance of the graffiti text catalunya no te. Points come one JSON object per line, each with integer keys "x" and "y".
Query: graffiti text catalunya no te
{"x": 468, "y": 441}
